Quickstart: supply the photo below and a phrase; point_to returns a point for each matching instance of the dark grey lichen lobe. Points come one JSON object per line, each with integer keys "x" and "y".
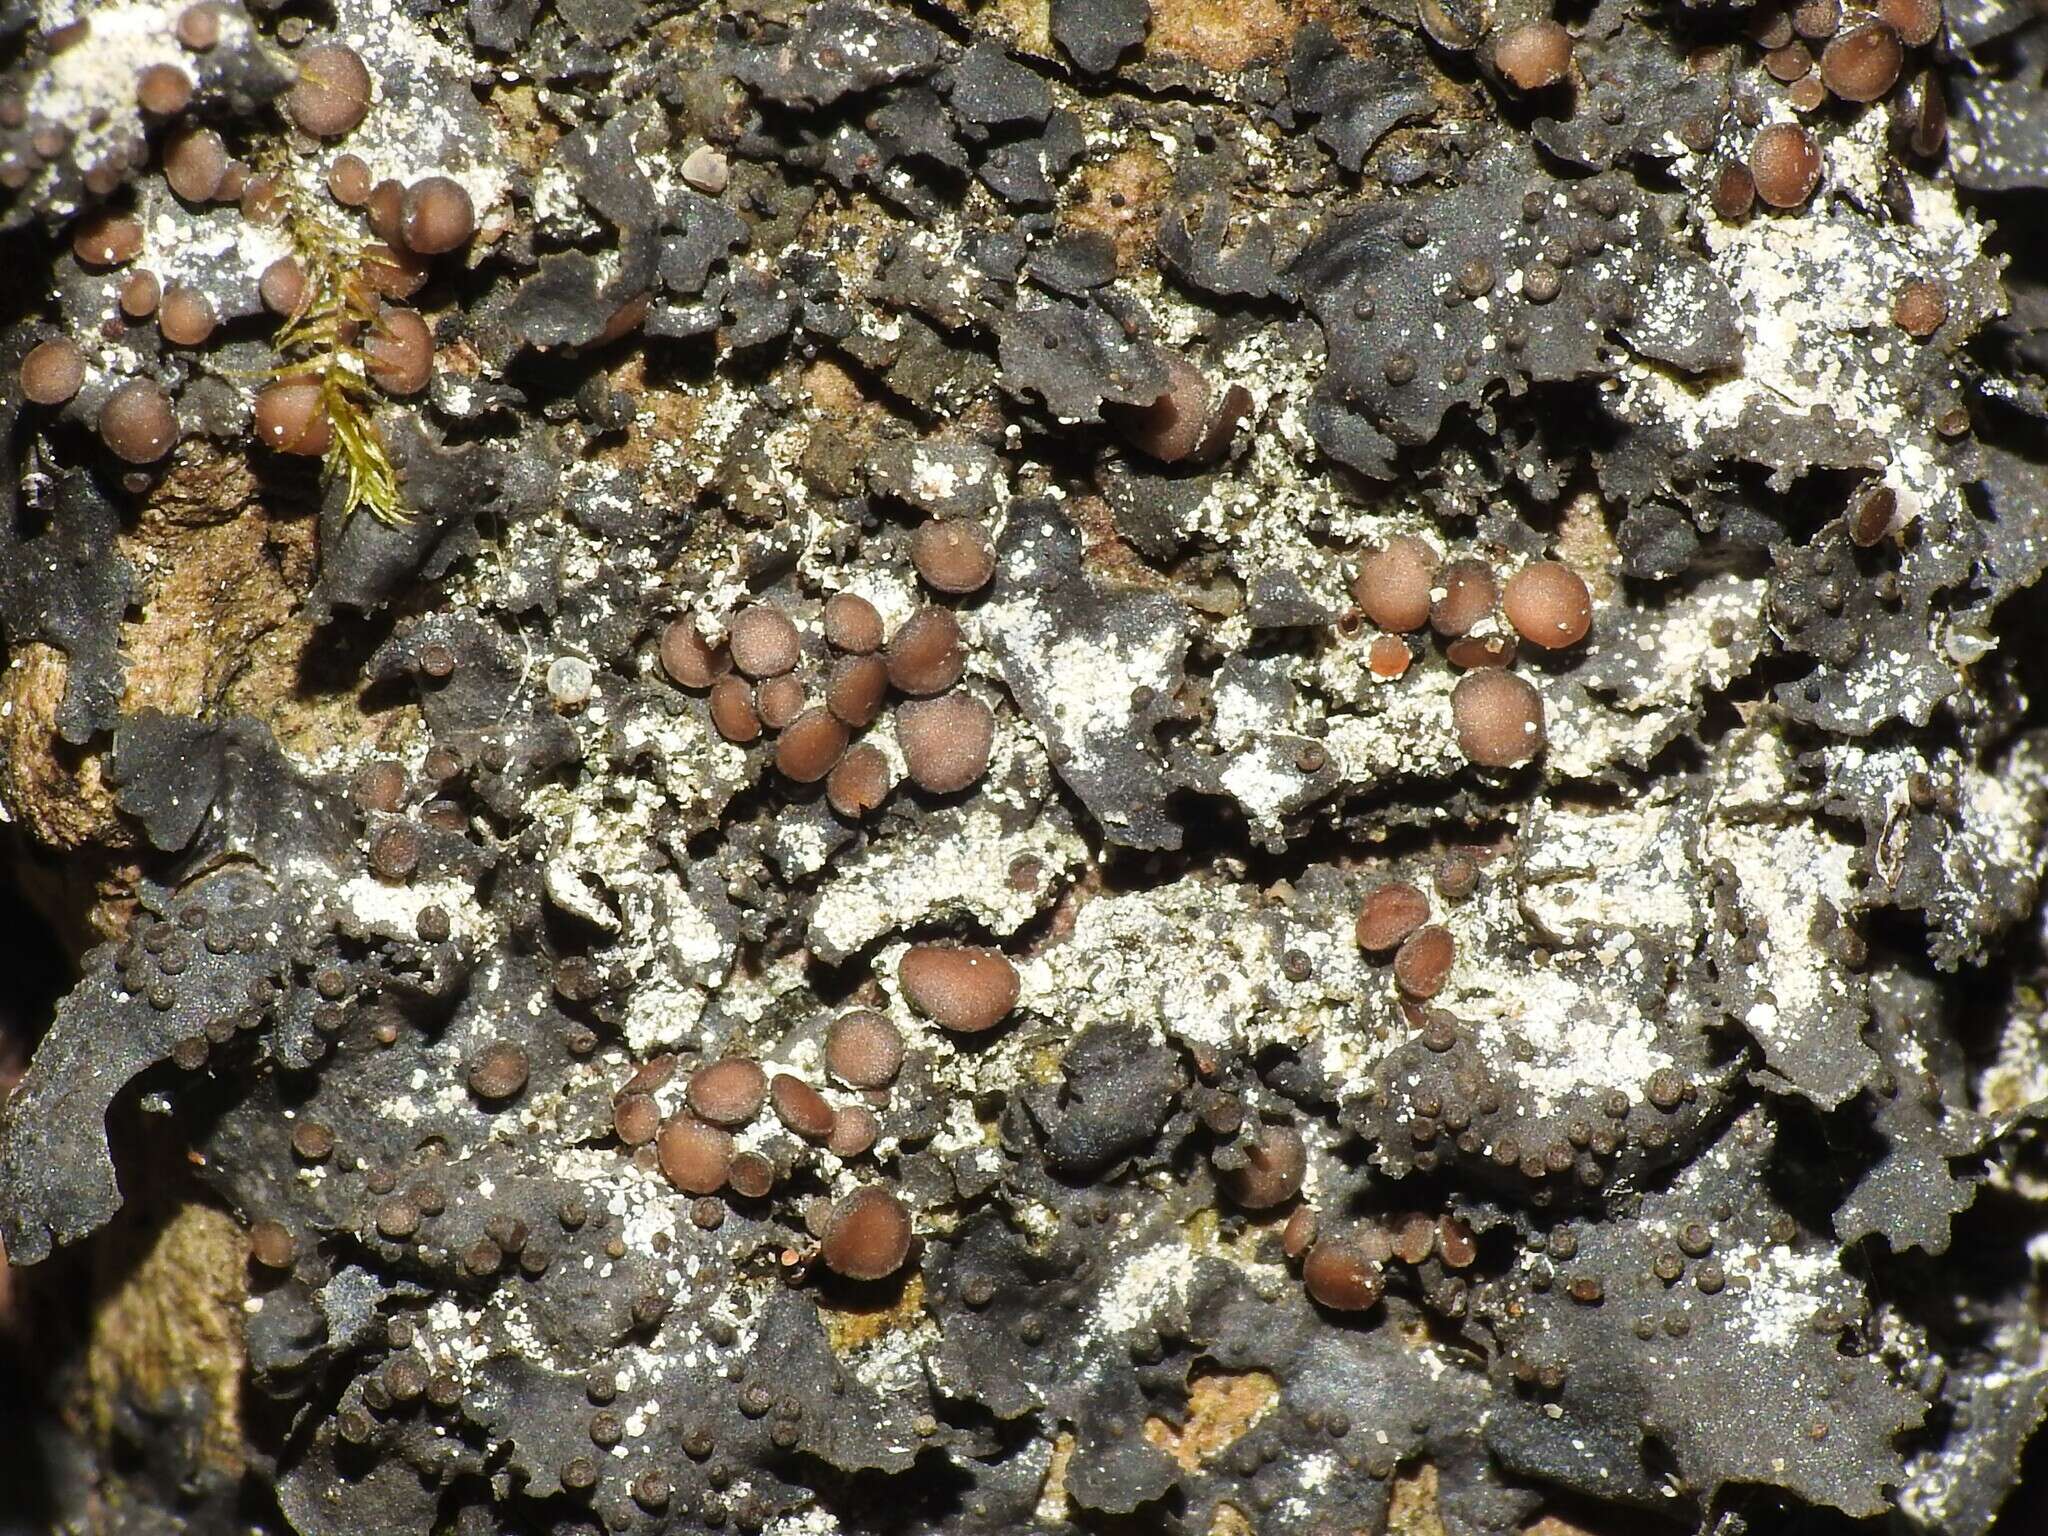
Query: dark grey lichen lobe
{"x": 910, "y": 524}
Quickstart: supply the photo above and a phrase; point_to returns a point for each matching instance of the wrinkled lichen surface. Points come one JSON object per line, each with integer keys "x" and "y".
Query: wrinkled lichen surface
{"x": 1703, "y": 1194}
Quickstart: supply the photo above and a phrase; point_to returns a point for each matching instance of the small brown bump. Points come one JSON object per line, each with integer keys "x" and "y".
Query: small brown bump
{"x": 728, "y": 1093}
{"x": 854, "y": 1132}
{"x": 291, "y": 417}
{"x": 397, "y": 1218}
{"x": 1785, "y": 163}
{"x": 1862, "y": 63}
{"x": 1665, "y": 1088}
{"x": 689, "y": 662}
{"x": 636, "y": 1118}
{"x": 964, "y": 988}
{"x": 867, "y": 1236}
{"x": 1473, "y": 652}
{"x": 1414, "y": 1238}
{"x": 399, "y": 351}
{"x": 763, "y": 641}
{"x": 859, "y": 782}
{"x": 855, "y": 689}
{"x": 801, "y": 1107}
{"x": 186, "y": 317}
{"x": 498, "y": 1071}
{"x": 1468, "y": 596}
{"x": 926, "y": 655}
{"x": 107, "y": 239}
{"x": 1299, "y": 1233}
{"x": 651, "y": 1076}
{"x": 1874, "y": 516}
{"x": 1275, "y": 1163}
{"x": 750, "y": 1175}
{"x": 52, "y": 372}
{"x": 1916, "y": 21}
{"x": 437, "y": 216}
{"x": 1175, "y": 425}
{"x": 1340, "y": 1276}
{"x": 694, "y": 1156}
{"x": 349, "y": 181}
{"x": 385, "y": 209}
{"x": 1534, "y": 55}
{"x": 1817, "y": 20}
{"x": 1389, "y": 914}
{"x": 1792, "y": 62}
{"x": 1393, "y": 584}
{"x": 1548, "y": 604}
{"x": 1920, "y": 309}
{"x": 1455, "y": 1243}
{"x": 732, "y": 711}
{"x": 811, "y": 747}
{"x": 137, "y": 423}
{"x": 140, "y": 293}
{"x": 852, "y": 624}
{"x": 378, "y": 786}
{"x": 395, "y": 852}
{"x": 163, "y": 89}
{"x": 953, "y": 556}
{"x": 198, "y": 26}
{"x": 1734, "y": 192}
{"x": 1388, "y": 657}
{"x": 393, "y": 274}
{"x": 312, "y": 1141}
{"x": 1542, "y": 281}
{"x": 946, "y": 741}
{"x": 272, "y": 1245}
{"x": 1457, "y": 876}
{"x": 1498, "y": 718}
{"x": 863, "y": 1049}
{"x": 1423, "y": 962}
{"x": 282, "y": 287}
{"x": 332, "y": 93}
{"x": 195, "y": 163}
{"x": 779, "y": 700}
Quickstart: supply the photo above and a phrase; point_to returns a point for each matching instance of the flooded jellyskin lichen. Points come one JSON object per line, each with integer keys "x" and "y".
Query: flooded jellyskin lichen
{"x": 979, "y": 768}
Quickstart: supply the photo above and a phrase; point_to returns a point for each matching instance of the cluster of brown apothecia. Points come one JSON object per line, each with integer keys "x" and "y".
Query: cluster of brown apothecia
{"x": 760, "y": 678}
{"x": 338, "y": 298}
{"x": 1405, "y": 586}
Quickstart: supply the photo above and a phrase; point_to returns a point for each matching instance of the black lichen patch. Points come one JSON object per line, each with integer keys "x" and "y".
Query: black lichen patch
{"x": 838, "y": 49}
{"x": 1353, "y": 102}
{"x": 201, "y": 970}
{"x": 1749, "y": 1322}
{"x": 68, "y": 586}
{"x": 1097, "y": 33}
{"x": 895, "y": 620}
{"x": 1101, "y": 744}
{"x": 216, "y": 793}
{"x": 1511, "y": 278}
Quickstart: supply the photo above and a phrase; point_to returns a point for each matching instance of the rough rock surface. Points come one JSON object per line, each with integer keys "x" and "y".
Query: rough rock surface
{"x": 830, "y": 526}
